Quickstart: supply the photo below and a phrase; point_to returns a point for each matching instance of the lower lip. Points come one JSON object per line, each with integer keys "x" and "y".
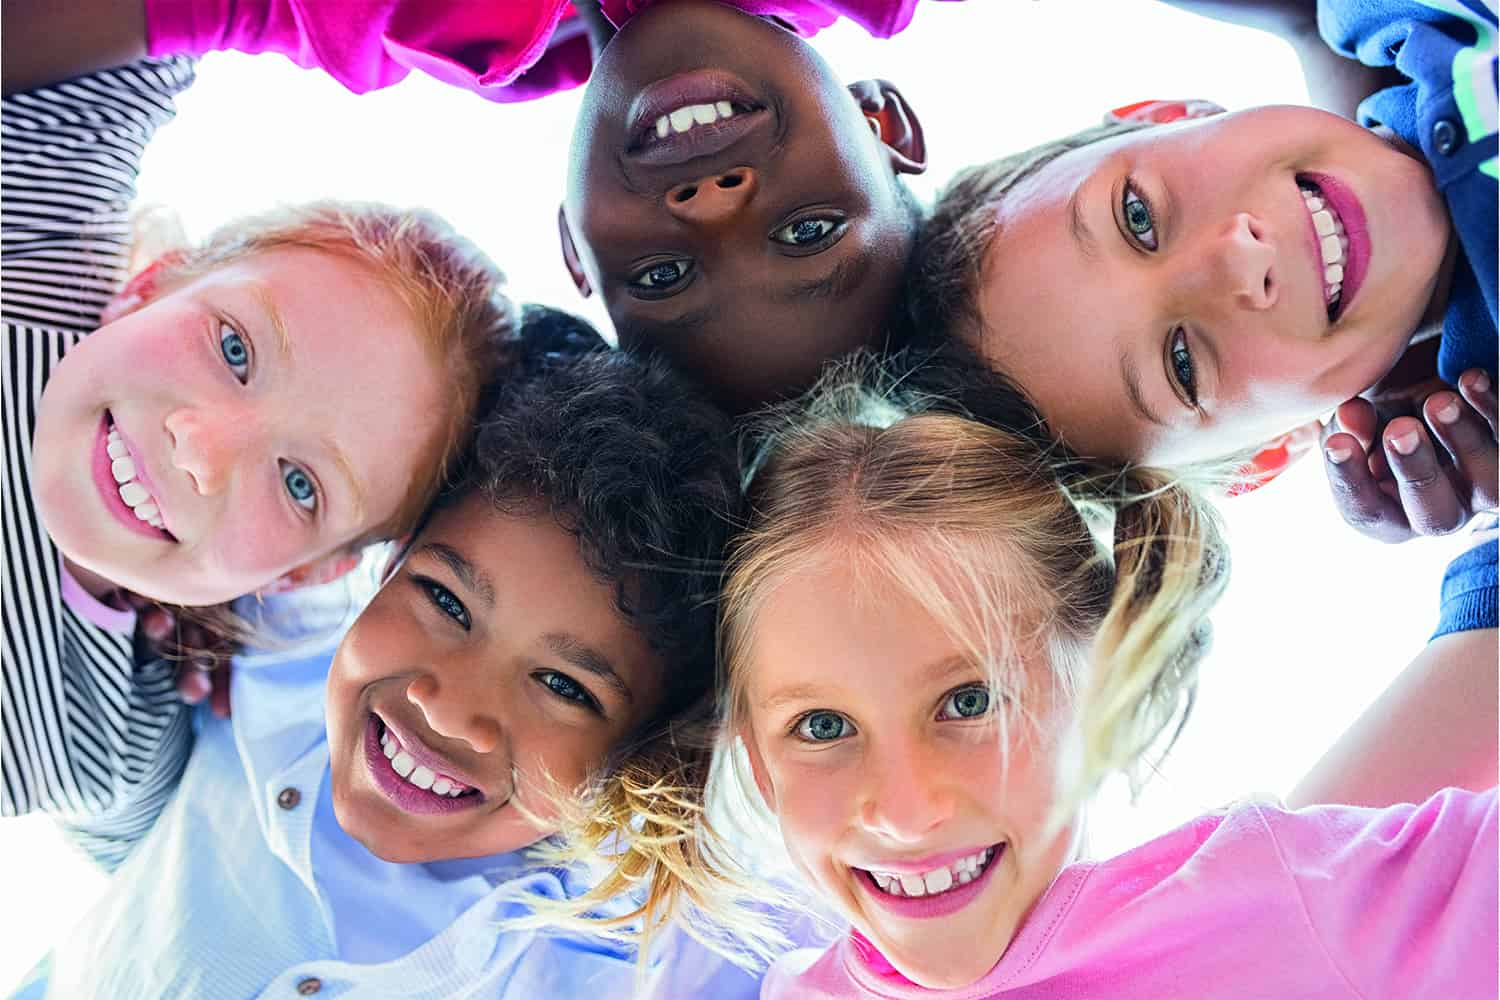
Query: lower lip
{"x": 1352, "y": 215}
{"x": 109, "y": 490}
{"x": 406, "y": 796}
{"x": 926, "y": 907}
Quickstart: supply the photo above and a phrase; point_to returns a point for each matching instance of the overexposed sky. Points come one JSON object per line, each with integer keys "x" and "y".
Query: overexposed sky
{"x": 1317, "y": 620}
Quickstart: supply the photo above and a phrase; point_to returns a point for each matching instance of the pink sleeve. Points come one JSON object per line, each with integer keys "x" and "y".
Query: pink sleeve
{"x": 1403, "y": 900}
{"x": 486, "y": 48}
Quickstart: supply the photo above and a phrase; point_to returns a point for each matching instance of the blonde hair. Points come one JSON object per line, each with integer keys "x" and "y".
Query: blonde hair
{"x": 974, "y": 521}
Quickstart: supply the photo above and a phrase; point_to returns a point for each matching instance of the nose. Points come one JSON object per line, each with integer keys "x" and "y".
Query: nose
{"x": 907, "y": 794}
{"x": 1241, "y": 264}
{"x": 452, "y": 712}
{"x": 206, "y": 444}
{"x": 715, "y": 199}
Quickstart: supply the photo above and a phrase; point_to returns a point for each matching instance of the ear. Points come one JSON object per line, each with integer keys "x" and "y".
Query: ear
{"x": 140, "y": 289}
{"x": 319, "y": 571}
{"x": 758, "y": 769}
{"x": 570, "y": 254}
{"x": 894, "y": 122}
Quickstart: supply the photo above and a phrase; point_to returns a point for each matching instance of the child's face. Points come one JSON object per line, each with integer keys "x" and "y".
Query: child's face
{"x": 1164, "y": 296}
{"x": 496, "y": 659}
{"x": 747, "y": 250}
{"x": 268, "y": 413}
{"x": 873, "y": 742}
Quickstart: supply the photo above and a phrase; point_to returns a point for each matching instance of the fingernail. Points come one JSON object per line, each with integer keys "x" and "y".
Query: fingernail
{"x": 1479, "y": 382}
{"x": 1404, "y": 444}
{"x": 1449, "y": 412}
{"x": 1338, "y": 456}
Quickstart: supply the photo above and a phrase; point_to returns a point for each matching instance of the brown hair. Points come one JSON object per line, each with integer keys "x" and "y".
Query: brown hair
{"x": 879, "y": 472}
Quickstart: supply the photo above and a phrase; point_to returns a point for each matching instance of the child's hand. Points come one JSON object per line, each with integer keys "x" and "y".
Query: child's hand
{"x": 1393, "y": 483}
{"x": 202, "y": 657}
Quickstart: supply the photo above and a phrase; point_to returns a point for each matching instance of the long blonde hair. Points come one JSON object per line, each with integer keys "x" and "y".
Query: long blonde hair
{"x": 880, "y": 468}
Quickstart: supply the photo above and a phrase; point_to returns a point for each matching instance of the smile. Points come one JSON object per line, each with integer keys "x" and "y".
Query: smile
{"x": 1342, "y": 244}
{"x": 1333, "y": 242}
{"x": 934, "y": 891}
{"x": 701, "y": 113}
{"x": 120, "y": 475}
{"x": 684, "y": 119}
{"x": 413, "y": 777}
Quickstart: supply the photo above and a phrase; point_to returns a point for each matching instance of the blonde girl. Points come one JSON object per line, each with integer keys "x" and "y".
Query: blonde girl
{"x": 930, "y": 660}
{"x": 251, "y": 411}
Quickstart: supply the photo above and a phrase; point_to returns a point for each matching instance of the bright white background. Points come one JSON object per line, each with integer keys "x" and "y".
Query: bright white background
{"x": 1317, "y": 620}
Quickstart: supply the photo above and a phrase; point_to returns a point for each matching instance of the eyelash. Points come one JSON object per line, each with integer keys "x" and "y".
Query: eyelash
{"x": 677, "y": 284}
{"x": 584, "y": 699}
{"x": 801, "y": 721}
{"x": 289, "y": 470}
{"x": 1181, "y": 369}
{"x": 1133, "y": 196}
{"x": 443, "y": 600}
{"x": 836, "y": 224}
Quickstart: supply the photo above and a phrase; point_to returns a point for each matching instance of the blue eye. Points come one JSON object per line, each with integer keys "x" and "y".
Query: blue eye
{"x": 966, "y": 703}
{"x": 1138, "y": 218}
{"x": 444, "y": 600}
{"x": 806, "y": 232}
{"x": 1184, "y": 372}
{"x": 299, "y": 486}
{"x": 662, "y": 277}
{"x": 567, "y": 688}
{"x": 823, "y": 727}
{"x": 236, "y": 351}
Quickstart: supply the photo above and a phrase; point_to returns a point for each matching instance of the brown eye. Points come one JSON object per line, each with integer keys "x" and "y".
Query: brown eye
{"x": 662, "y": 276}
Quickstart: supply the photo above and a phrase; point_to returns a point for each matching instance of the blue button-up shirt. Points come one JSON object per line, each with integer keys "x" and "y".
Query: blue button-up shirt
{"x": 248, "y": 887}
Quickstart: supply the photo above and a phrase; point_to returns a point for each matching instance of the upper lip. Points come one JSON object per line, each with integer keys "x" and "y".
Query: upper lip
{"x": 699, "y": 87}
{"x": 143, "y": 473}
{"x": 920, "y": 866}
{"x": 429, "y": 758}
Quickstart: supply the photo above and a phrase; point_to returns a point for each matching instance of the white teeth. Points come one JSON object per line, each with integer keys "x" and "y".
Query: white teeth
{"x": 913, "y": 885}
{"x": 1314, "y": 203}
{"x": 402, "y": 763}
{"x": 1333, "y": 274}
{"x": 1323, "y": 222}
{"x": 134, "y": 494}
{"x": 938, "y": 881}
{"x": 961, "y": 872}
{"x": 422, "y": 777}
{"x": 123, "y": 469}
{"x": 390, "y": 749}
{"x": 115, "y": 446}
{"x": 1332, "y": 252}
{"x": 147, "y": 512}
{"x": 442, "y": 786}
{"x": 405, "y": 765}
{"x": 685, "y": 118}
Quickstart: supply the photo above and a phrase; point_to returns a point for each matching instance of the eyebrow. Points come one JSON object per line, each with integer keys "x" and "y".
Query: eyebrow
{"x": 1087, "y": 242}
{"x": 469, "y": 575}
{"x": 935, "y": 671}
{"x": 278, "y": 323}
{"x": 588, "y": 659}
{"x": 835, "y": 286}
{"x": 342, "y": 463}
{"x": 1132, "y": 377}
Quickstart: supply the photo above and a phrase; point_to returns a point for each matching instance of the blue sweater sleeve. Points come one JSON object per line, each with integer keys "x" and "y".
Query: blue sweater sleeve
{"x": 1469, "y": 591}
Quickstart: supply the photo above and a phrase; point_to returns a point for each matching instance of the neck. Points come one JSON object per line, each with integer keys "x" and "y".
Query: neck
{"x": 106, "y": 591}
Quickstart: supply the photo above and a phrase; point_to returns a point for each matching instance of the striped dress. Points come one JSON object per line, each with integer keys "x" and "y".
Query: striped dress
{"x": 91, "y": 734}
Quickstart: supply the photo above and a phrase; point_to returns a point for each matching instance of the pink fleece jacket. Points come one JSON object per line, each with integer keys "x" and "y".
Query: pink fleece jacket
{"x": 504, "y": 50}
{"x": 1260, "y": 903}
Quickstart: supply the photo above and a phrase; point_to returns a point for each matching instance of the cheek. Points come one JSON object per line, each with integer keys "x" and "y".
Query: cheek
{"x": 814, "y": 809}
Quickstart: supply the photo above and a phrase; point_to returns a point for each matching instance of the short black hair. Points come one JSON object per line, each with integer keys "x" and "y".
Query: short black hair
{"x": 641, "y": 469}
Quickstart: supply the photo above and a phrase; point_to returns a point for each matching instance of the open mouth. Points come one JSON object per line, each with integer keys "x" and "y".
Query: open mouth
{"x": 410, "y": 777}
{"x": 695, "y": 114}
{"x": 1342, "y": 242}
{"x": 935, "y": 892}
{"x": 120, "y": 475}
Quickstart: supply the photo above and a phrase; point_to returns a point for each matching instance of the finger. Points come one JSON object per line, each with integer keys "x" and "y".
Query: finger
{"x": 1466, "y": 436}
{"x": 1475, "y": 386}
{"x": 1357, "y": 495}
{"x": 1357, "y": 416}
{"x": 1432, "y": 505}
{"x": 219, "y": 700}
{"x": 193, "y": 685}
{"x": 157, "y": 624}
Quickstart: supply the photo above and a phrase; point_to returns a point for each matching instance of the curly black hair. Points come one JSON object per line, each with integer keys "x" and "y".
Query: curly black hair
{"x": 641, "y": 469}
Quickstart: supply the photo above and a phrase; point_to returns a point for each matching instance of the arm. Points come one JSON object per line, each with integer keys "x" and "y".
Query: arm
{"x": 1333, "y": 83}
{"x": 1434, "y": 727}
{"x": 46, "y": 42}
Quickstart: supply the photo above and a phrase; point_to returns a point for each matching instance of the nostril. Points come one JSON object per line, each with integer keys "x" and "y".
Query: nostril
{"x": 685, "y": 194}
{"x": 731, "y": 181}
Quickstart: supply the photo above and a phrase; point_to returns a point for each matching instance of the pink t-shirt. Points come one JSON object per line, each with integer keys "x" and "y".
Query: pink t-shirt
{"x": 505, "y": 50}
{"x": 1327, "y": 902}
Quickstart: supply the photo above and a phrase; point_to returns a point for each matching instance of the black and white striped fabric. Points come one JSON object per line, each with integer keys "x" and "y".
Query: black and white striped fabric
{"x": 90, "y": 735}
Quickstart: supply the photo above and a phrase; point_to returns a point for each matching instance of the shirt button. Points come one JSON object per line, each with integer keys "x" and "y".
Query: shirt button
{"x": 1445, "y": 136}
{"x": 312, "y": 984}
{"x": 288, "y": 799}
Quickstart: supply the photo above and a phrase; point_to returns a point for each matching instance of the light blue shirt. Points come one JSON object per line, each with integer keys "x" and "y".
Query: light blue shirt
{"x": 247, "y": 887}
